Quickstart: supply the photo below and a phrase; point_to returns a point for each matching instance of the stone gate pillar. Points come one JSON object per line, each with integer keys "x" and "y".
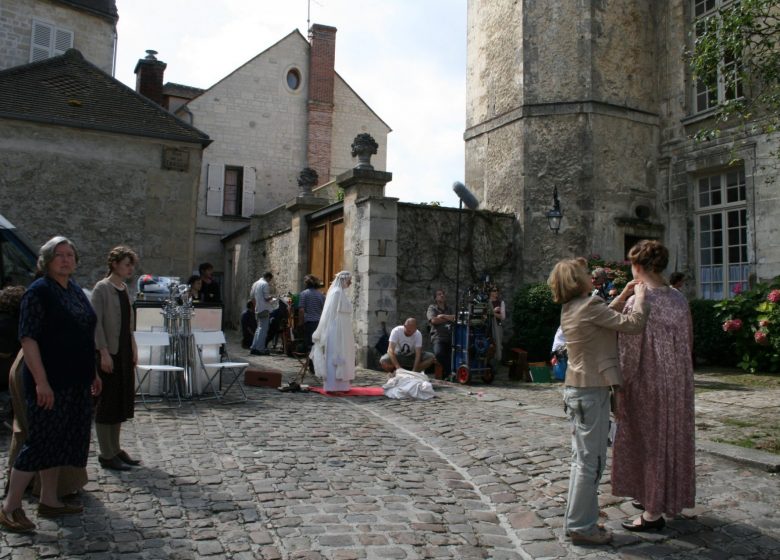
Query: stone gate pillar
{"x": 370, "y": 253}
{"x": 299, "y": 207}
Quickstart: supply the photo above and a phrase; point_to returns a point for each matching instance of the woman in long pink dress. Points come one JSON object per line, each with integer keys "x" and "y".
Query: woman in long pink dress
{"x": 654, "y": 449}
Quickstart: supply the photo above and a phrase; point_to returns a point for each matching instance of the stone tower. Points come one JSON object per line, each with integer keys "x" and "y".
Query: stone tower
{"x": 566, "y": 94}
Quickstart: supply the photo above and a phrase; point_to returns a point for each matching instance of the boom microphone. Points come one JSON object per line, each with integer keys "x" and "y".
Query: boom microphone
{"x": 465, "y": 195}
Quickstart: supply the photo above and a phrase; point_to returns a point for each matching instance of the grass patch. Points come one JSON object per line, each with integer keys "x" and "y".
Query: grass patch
{"x": 731, "y": 379}
{"x": 759, "y": 441}
{"x": 737, "y": 422}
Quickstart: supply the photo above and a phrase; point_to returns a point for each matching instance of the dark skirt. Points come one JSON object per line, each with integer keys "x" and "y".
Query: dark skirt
{"x": 57, "y": 437}
{"x": 116, "y": 402}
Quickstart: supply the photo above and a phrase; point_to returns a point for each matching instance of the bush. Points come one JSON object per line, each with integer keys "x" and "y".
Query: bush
{"x": 711, "y": 344}
{"x": 752, "y": 321}
{"x": 535, "y": 318}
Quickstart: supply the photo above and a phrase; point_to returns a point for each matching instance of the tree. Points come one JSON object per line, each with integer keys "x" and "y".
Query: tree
{"x": 737, "y": 49}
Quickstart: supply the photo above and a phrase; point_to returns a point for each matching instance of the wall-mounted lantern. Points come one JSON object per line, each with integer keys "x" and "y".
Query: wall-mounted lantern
{"x": 555, "y": 215}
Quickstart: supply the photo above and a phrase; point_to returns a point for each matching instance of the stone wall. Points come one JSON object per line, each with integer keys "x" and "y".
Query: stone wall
{"x": 428, "y": 257}
{"x": 99, "y": 190}
{"x": 92, "y": 35}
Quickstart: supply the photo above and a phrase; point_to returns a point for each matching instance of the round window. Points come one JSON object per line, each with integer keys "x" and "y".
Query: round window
{"x": 293, "y": 79}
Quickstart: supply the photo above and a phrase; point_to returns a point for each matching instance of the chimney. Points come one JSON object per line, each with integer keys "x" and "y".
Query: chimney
{"x": 322, "y": 56}
{"x": 149, "y": 77}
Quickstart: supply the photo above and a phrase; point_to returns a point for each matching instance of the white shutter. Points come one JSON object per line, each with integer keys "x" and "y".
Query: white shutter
{"x": 63, "y": 40}
{"x": 248, "y": 193}
{"x": 215, "y": 187}
{"x": 42, "y": 35}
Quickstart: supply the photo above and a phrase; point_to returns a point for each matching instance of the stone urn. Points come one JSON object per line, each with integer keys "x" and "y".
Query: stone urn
{"x": 363, "y": 147}
{"x": 306, "y": 181}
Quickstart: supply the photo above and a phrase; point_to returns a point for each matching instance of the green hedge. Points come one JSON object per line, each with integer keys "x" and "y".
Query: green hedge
{"x": 711, "y": 345}
{"x": 535, "y": 318}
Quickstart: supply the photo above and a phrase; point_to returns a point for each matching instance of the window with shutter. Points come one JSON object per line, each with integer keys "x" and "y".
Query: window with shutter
{"x": 248, "y": 202}
{"x": 48, "y": 40}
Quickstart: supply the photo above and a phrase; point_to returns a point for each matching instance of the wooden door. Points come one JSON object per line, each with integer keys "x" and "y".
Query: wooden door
{"x": 326, "y": 247}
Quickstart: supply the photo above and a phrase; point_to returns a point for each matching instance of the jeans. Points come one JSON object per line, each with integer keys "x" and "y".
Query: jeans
{"x": 588, "y": 412}
{"x": 442, "y": 349}
{"x": 259, "y": 342}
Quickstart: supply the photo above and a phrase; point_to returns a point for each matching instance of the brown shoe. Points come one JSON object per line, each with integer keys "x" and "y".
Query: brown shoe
{"x": 19, "y": 516}
{"x": 599, "y": 536}
{"x": 7, "y": 522}
{"x": 64, "y": 509}
{"x": 126, "y": 459}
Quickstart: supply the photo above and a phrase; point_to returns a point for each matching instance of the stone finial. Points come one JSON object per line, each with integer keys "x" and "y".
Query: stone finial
{"x": 306, "y": 180}
{"x": 364, "y": 146}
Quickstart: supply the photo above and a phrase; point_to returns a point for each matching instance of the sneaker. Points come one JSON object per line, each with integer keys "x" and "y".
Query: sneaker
{"x": 599, "y": 536}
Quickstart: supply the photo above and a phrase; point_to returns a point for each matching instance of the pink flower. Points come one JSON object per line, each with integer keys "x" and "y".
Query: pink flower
{"x": 737, "y": 289}
{"x": 763, "y": 323}
{"x": 732, "y": 325}
{"x": 761, "y": 338}
{"x": 774, "y": 296}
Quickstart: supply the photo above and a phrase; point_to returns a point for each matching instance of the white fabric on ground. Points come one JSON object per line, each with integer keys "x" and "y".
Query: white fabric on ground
{"x": 408, "y": 385}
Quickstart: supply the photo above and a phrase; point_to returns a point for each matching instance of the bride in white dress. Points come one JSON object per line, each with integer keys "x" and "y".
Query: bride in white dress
{"x": 333, "y": 352}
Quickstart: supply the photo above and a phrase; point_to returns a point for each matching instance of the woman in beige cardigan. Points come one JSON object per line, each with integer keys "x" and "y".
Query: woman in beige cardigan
{"x": 590, "y": 327}
{"x": 117, "y": 356}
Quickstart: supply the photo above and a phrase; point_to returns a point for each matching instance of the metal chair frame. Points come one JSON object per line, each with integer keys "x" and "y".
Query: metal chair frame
{"x": 236, "y": 369}
{"x": 171, "y": 374}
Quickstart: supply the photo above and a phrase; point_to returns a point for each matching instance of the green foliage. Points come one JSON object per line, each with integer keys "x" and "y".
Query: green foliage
{"x": 340, "y": 194}
{"x": 711, "y": 344}
{"x": 535, "y": 318}
{"x": 749, "y": 32}
{"x": 752, "y": 319}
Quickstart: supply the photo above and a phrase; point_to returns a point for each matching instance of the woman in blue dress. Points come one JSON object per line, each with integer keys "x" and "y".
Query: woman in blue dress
{"x": 57, "y": 332}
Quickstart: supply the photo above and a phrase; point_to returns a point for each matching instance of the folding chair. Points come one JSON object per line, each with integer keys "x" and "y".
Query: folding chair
{"x": 214, "y": 369}
{"x": 170, "y": 374}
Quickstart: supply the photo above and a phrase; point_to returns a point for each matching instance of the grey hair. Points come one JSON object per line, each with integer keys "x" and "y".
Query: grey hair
{"x": 46, "y": 254}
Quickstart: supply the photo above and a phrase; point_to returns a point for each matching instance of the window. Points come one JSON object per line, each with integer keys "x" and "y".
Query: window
{"x": 293, "y": 79}
{"x": 48, "y": 40}
{"x": 726, "y": 83}
{"x": 230, "y": 190}
{"x": 231, "y": 205}
{"x": 722, "y": 234}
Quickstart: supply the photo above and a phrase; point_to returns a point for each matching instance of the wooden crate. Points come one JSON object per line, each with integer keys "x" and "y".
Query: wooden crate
{"x": 262, "y": 378}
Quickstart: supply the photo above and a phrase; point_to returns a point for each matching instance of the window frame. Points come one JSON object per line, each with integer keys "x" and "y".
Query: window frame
{"x": 237, "y": 191}
{"x": 732, "y": 272}
{"x": 713, "y": 97}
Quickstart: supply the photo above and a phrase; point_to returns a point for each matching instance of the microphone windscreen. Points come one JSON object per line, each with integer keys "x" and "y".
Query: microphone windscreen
{"x": 465, "y": 195}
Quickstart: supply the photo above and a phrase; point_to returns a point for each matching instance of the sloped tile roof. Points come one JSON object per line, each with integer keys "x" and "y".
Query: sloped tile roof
{"x": 103, "y": 8}
{"x": 69, "y": 91}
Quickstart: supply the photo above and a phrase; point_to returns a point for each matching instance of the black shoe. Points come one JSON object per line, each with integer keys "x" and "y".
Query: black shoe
{"x": 255, "y": 352}
{"x": 126, "y": 459}
{"x": 645, "y": 525}
{"x": 114, "y": 464}
{"x": 638, "y": 505}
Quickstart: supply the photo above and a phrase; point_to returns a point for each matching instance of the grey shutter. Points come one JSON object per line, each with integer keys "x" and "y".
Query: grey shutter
{"x": 63, "y": 40}
{"x": 215, "y": 188}
{"x": 42, "y": 35}
{"x": 248, "y": 192}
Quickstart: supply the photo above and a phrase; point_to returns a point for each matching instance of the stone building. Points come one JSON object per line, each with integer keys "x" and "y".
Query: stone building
{"x": 282, "y": 111}
{"x": 595, "y": 99}
{"x": 33, "y": 30}
{"x": 84, "y": 156}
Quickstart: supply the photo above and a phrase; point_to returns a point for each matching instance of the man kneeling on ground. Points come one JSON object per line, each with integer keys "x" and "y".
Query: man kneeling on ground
{"x": 405, "y": 349}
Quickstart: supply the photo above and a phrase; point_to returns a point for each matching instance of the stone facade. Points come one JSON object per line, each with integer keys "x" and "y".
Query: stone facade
{"x": 99, "y": 190}
{"x": 93, "y": 35}
{"x": 259, "y": 125}
{"x": 594, "y": 98}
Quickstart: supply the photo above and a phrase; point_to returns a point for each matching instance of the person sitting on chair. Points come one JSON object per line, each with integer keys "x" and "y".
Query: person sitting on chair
{"x": 405, "y": 349}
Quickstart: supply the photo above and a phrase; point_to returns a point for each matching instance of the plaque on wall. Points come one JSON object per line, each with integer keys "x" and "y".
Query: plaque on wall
{"x": 175, "y": 159}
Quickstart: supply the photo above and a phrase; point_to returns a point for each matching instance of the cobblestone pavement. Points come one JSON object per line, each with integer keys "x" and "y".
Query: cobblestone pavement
{"x": 478, "y": 472}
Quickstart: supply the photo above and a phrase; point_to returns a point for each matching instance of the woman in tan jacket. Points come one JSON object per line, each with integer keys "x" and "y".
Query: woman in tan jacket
{"x": 117, "y": 356}
{"x": 590, "y": 327}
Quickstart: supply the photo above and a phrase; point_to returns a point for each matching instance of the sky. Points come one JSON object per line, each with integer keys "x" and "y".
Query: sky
{"x": 405, "y": 58}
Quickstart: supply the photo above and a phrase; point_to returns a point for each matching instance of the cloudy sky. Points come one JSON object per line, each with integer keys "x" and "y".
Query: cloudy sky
{"x": 405, "y": 58}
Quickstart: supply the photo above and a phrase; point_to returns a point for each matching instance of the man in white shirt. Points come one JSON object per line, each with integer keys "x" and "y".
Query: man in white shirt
{"x": 405, "y": 349}
{"x": 264, "y": 303}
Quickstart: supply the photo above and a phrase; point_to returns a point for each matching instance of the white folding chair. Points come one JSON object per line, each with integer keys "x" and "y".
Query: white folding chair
{"x": 171, "y": 374}
{"x": 215, "y": 370}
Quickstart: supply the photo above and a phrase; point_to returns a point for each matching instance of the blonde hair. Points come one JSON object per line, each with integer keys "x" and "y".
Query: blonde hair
{"x": 568, "y": 280}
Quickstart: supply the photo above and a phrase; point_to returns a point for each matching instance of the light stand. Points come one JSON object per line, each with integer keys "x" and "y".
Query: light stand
{"x": 464, "y": 195}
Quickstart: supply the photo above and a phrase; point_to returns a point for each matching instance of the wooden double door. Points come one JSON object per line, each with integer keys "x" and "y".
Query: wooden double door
{"x": 326, "y": 247}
